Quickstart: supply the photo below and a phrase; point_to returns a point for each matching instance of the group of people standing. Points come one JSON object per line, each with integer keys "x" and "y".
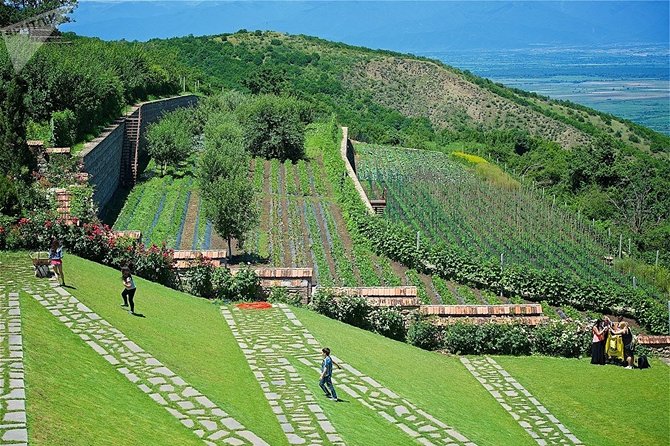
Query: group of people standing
{"x": 612, "y": 342}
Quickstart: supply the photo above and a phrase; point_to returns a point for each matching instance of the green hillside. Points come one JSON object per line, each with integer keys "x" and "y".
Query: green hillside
{"x": 587, "y": 159}
{"x": 74, "y": 396}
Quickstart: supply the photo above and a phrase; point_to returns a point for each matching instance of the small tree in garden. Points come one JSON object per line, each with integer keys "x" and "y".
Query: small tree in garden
{"x": 229, "y": 196}
{"x": 273, "y": 127}
{"x": 170, "y": 141}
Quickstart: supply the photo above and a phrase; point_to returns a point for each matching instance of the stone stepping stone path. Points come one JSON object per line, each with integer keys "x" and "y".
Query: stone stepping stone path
{"x": 531, "y": 415}
{"x": 262, "y": 340}
{"x": 13, "y": 425}
{"x": 193, "y": 409}
{"x": 296, "y": 343}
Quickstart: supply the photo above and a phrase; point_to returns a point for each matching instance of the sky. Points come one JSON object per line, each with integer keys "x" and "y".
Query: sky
{"x": 408, "y": 26}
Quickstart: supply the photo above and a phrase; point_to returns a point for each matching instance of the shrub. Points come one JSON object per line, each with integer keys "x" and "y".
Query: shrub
{"x": 246, "y": 285}
{"x": 222, "y": 283}
{"x": 423, "y": 334}
{"x": 282, "y": 295}
{"x": 64, "y": 128}
{"x": 197, "y": 280}
{"x": 388, "y": 322}
{"x": 323, "y": 302}
{"x": 561, "y": 339}
{"x": 353, "y": 311}
{"x": 9, "y": 200}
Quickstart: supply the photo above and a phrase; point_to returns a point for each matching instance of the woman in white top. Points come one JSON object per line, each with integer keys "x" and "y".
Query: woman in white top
{"x": 129, "y": 289}
{"x": 56, "y": 259}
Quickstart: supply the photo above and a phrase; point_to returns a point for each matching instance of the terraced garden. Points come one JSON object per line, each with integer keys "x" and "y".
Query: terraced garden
{"x": 169, "y": 210}
{"x": 448, "y": 203}
{"x": 300, "y": 225}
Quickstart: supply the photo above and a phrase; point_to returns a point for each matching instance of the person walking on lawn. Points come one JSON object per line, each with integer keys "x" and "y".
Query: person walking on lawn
{"x": 128, "y": 292}
{"x": 326, "y": 382}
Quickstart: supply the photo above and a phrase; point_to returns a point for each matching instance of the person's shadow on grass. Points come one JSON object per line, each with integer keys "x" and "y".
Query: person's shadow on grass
{"x": 138, "y": 315}
{"x": 70, "y": 287}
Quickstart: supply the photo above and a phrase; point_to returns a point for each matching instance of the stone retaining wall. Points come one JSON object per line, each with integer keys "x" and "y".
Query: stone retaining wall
{"x": 102, "y": 156}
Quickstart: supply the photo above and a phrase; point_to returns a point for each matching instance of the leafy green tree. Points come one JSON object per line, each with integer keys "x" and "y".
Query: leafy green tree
{"x": 12, "y": 11}
{"x": 169, "y": 141}
{"x": 266, "y": 80}
{"x": 228, "y": 193}
{"x": 15, "y": 157}
{"x": 273, "y": 127}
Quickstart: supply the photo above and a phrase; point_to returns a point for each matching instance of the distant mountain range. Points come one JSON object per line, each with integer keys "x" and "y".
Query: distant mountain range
{"x": 401, "y": 26}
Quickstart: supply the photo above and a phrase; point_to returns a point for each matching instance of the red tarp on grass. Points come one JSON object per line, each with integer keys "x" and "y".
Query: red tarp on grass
{"x": 254, "y": 306}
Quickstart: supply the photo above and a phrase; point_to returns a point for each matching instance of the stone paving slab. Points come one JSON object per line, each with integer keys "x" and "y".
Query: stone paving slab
{"x": 261, "y": 337}
{"x": 298, "y": 344}
{"x": 13, "y": 423}
{"x": 531, "y": 415}
{"x": 193, "y": 409}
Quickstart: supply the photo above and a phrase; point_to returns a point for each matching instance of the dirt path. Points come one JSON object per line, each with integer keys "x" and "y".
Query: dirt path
{"x": 305, "y": 234}
{"x": 286, "y": 239}
{"x": 341, "y": 227}
{"x": 428, "y": 284}
{"x": 400, "y": 271}
{"x": 326, "y": 247}
{"x": 266, "y": 206}
{"x": 190, "y": 228}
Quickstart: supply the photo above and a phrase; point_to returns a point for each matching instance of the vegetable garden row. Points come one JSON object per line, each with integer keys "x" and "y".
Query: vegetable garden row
{"x": 168, "y": 210}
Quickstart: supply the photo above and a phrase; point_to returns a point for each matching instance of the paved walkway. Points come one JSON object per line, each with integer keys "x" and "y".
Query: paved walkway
{"x": 297, "y": 343}
{"x": 545, "y": 428}
{"x": 13, "y": 425}
{"x": 195, "y": 411}
{"x": 262, "y": 339}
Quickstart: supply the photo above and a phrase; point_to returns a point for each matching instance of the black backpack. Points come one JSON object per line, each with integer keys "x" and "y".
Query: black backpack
{"x": 643, "y": 362}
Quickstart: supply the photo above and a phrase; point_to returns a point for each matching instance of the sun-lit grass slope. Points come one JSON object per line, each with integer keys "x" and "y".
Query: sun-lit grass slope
{"x": 74, "y": 398}
{"x": 438, "y": 384}
{"x": 602, "y": 405}
{"x": 187, "y": 334}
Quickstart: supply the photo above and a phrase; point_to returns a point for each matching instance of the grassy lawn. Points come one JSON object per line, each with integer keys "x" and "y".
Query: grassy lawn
{"x": 438, "y": 384}
{"x": 74, "y": 397}
{"x": 187, "y": 334}
{"x": 603, "y": 405}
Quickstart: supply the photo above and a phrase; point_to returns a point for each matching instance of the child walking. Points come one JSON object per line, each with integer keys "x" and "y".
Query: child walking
{"x": 128, "y": 292}
{"x": 327, "y": 373}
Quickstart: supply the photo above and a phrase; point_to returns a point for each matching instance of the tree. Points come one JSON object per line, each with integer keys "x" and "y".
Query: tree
{"x": 228, "y": 193}
{"x": 15, "y": 157}
{"x": 273, "y": 128}
{"x": 170, "y": 141}
{"x": 266, "y": 80}
{"x": 12, "y": 11}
